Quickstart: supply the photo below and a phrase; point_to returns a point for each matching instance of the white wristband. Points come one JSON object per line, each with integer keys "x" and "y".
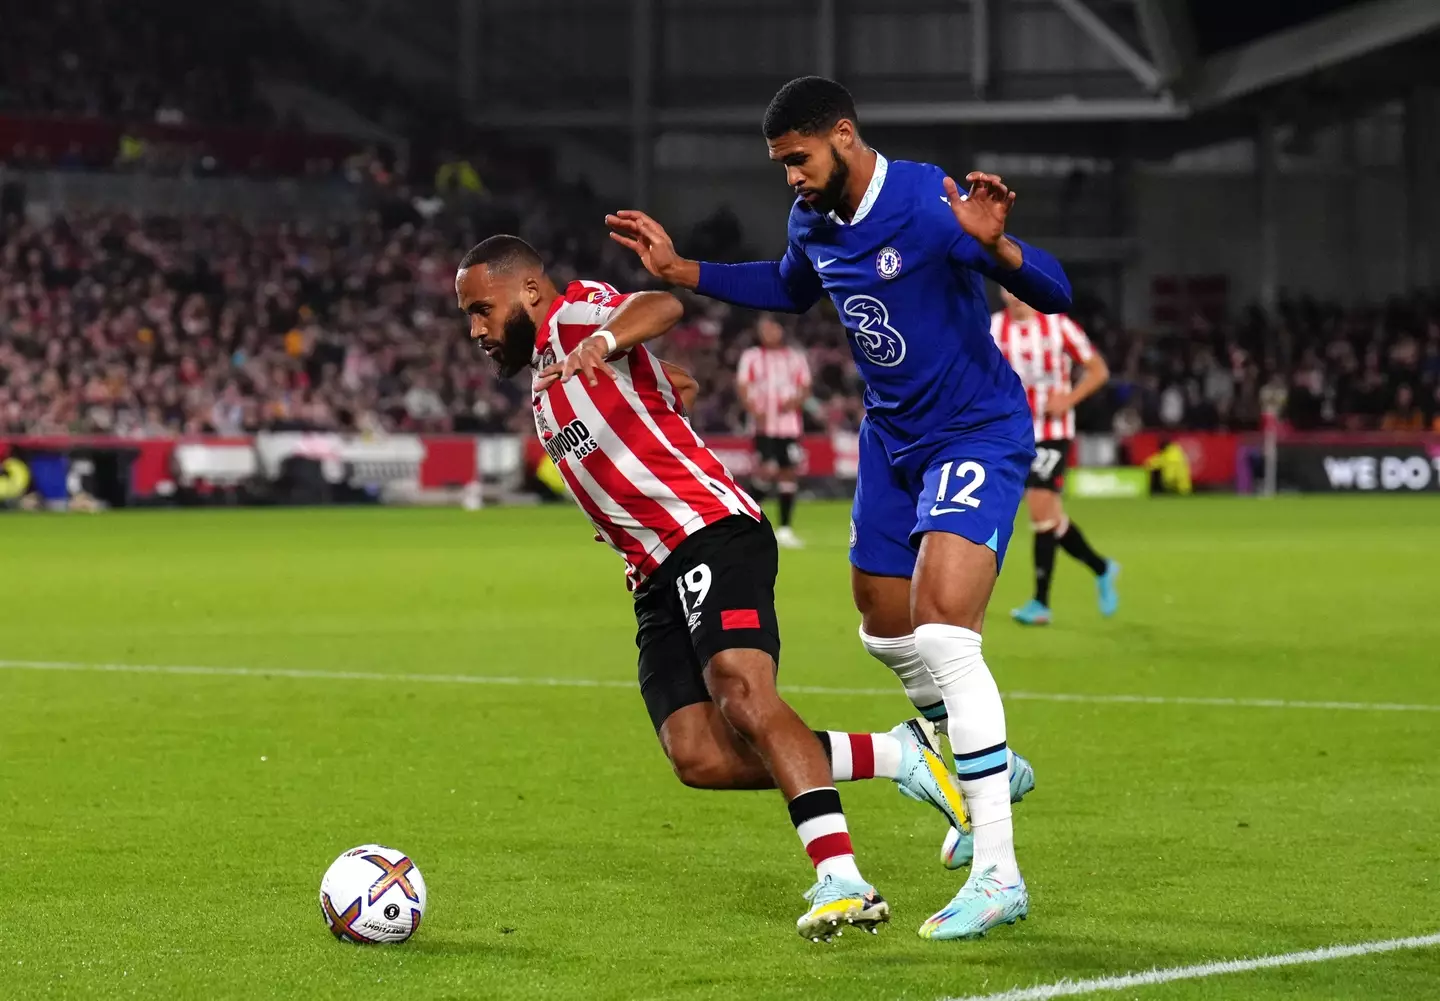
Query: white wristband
{"x": 609, "y": 339}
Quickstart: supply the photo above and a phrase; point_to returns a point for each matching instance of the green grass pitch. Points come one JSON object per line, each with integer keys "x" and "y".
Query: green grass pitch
{"x": 163, "y": 835}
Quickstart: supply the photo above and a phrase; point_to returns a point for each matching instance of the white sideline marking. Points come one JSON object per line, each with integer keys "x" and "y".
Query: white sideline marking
{"x": 494, "y": 679}
{"x": 1071, "y": 988}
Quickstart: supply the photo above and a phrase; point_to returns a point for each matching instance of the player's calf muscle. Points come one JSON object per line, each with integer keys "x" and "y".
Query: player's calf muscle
{"x": 742, "y": 683}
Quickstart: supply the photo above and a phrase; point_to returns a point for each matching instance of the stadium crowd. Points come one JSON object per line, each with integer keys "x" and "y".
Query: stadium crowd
{"x": 110, "y": 324}
{"x": 1317, "y": 365}
{"x": 141, "y": 327}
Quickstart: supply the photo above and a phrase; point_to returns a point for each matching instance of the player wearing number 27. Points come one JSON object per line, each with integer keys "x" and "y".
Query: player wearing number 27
{"x": 1043, "y": 350}
{"x": 947, "y": 439}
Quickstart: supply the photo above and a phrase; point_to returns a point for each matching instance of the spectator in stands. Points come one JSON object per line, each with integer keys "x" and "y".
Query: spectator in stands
{"x": 1404, "y": 415}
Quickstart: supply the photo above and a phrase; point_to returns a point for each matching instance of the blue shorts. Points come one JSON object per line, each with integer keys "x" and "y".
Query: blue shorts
{"x": 969, "y": 486}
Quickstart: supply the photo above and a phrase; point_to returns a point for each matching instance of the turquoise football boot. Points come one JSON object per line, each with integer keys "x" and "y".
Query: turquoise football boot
{"x": 1106, "y": 590}
{"x": 959, "y": 846}
{"x": 1022, "y": 777}
{"x": 982, "y": 903}
{"x": 835, "y": 903}
{"x": 924, "y": 777}
{"x": 1032, "y": 613}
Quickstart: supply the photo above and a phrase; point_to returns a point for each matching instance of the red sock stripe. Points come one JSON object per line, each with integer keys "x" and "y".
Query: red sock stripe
{"x": 862, "y": 756}
{"x": 829, "y": 846}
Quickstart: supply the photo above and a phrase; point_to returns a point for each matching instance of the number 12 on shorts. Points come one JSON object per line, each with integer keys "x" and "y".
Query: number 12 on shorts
{"x": 969, "y": 477}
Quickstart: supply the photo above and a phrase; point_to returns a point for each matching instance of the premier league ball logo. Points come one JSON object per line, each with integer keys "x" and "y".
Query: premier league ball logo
{"x": 887, "y": 263}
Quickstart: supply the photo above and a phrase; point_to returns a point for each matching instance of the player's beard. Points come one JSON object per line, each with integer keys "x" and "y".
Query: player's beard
{"x": 518, "y": 344}
{"x": 833, "y": 193}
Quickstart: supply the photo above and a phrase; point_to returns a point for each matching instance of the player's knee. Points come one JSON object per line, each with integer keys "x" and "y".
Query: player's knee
{"x": 698, "y": 767}
{"x": 1044, "y": 506}
{"x": 687, "y": 736}
{"x": 889, "y": 650}
{"x": 883, "y": 604}
{"x": 951, "y": 652}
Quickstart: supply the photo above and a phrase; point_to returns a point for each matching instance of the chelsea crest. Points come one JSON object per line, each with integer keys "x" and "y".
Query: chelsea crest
{"x": 887, "y": 263}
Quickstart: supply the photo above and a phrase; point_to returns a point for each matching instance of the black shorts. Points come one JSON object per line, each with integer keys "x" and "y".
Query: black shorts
{"x": 1047, "y": 472}
{"x": 784, "y": 452}
{"x": 715, "y": 592}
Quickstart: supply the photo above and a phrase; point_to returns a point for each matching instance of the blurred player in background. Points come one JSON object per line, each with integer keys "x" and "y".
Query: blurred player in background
{"x": 774, "y": 382}
{"x": 946, "y": 442}
{"x": 1043, "y": 350}
{"x": 700, "y": 558}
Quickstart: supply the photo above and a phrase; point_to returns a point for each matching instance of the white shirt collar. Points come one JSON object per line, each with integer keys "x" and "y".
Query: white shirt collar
{"x": 877, "y": 181}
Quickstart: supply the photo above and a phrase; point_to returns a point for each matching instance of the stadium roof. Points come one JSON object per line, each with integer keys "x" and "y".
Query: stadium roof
{"x": 1080, "y": 76}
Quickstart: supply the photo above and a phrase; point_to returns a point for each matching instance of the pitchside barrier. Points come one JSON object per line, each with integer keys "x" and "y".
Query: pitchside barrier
{"x": 1285, "y": 461}
{"x": 284, "y": 467}
{"x": 299, "y": 467}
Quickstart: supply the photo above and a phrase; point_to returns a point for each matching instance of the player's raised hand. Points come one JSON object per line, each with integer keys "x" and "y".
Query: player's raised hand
{"x": 646, "y": 237}
{"x": 983, "y": 211}
{"x": 588, "y": 357}
{"x": 636, "y": 231}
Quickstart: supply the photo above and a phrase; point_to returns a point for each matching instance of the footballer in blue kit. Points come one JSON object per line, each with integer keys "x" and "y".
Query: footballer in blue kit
{"x": 947, "y": 440}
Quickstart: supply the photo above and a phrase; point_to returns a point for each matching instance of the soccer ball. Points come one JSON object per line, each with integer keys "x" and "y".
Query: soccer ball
{"x": 372, "y": 894}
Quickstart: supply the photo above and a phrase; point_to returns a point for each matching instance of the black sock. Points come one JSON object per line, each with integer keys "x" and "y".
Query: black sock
{"x": 824, "y": 736}
{"x": 1044, "y": 565}
{"x": 1074, "y": 543}
{"x": 787, "y": 504}
{"x": 759, "y": 489}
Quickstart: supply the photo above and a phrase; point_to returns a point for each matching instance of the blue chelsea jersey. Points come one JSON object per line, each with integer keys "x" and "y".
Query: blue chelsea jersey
{"x": 906, "y": 281}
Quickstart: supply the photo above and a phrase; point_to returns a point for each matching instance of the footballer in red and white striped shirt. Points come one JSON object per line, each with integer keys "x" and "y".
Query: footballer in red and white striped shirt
{"x": 1043, "y": 350}
{"x": 774, "y": 382}
{"x": 702, "y": 559}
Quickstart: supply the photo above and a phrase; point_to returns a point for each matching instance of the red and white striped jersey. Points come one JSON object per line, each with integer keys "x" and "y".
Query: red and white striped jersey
{"x": 776, "y": 379}
{"x": 644, "y": 478}
{"x": 1043, "y": 350}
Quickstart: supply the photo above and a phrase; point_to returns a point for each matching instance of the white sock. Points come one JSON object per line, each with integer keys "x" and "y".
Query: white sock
{"x": 856, "y": 756}
{"x": 839, "y": 866}
{"x": 899, "y": 654}
{"x": 820, "y": 822}
{"x": 977, "y": 738}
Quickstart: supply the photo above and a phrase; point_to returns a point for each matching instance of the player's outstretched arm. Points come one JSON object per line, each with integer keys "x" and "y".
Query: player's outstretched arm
{"x": 643, "y": 316}
{"x": 789, "y": 285}
{"x": 1035, "y": 276}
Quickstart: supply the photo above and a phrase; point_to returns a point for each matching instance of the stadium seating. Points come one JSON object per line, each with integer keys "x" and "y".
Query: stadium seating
{"x": 109, "y": 324}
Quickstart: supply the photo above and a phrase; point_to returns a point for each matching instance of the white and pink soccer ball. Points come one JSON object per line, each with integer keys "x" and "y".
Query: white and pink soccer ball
{"x": 372, "y": 894}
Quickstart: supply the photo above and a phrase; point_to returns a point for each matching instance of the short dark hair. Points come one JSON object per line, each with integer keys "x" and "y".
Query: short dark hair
{"x": 808, "y": 105}
{"x": 502, "y": 253}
